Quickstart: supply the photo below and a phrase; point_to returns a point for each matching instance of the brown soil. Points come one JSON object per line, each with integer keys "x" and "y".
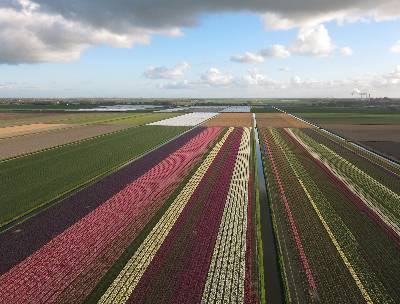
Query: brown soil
{"x": 15, "y": 146}
{"x": 278, "y": 120}
{"x": 27, "y": 129}
{"x": 389, "y": 148}
{"x": 231, "y": 120}
{"x": 366, "y": 132}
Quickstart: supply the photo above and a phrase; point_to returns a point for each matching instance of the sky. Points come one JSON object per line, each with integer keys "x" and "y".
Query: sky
{"x": 199, "y": 49}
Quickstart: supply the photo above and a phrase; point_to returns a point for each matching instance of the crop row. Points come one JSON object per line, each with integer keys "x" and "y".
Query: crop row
{"x": 122, "y": 287}
{"x": 226, "y": 277}
{"x": 52, "y": 268}
{"x": 38, "y": 230}
{"x": 350, "y": 256}
{"x": 311, "y": 265}
{"x": 371, "y": 289}
{"x": 185, "y": 255}
{"x": 387, "y": 173}
{"x": 380, "y": 199}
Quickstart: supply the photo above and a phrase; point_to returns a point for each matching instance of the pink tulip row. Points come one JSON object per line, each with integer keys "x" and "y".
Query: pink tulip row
{"x": 44, "y": 275}
{"x": 178, "y": 272}
{"x": 292, "y": 222}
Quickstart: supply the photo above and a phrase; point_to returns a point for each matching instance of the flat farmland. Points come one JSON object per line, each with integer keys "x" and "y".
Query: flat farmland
{"x": 335, "y": 219}
{"x": 191, "y": 241}
{"x": 278, "y": 120}
{"x": 29, "y": 143}
{"x": 377, "y": 131}
{"x": 351, "y": 118}
{"x": 62, "y": 169}
{"x": 382, "y": 138}
{"x": 16, "y": 119}
{"x": 11, "y": 131}
{"x": 231, "y": 120}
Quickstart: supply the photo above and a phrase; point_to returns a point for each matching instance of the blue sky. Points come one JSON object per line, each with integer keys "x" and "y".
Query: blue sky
{"x": 206, "y": 58}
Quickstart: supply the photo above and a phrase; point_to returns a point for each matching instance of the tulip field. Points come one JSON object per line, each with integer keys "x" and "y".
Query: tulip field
{"x": 336, "y": 221}
{"x": 175, "y": 226}
{"x": 199, "y": 207}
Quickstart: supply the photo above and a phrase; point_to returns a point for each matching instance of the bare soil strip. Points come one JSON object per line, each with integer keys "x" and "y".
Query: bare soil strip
{"x": 11, "y": 147}
{"x": 278, "y": 120}
{"x": 366, "y": 132}
{"x": 27, "y": 129}
{"x": 231, "y": 120}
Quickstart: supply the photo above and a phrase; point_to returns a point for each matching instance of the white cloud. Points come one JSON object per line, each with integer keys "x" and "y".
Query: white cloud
{"x": 313, "y": 41}
{"x": 297, "y": 14}
{"x": 162, "y": 72}
{"x": 215, "y": 77}
{"x": 29, "y": 35}
{"x": 248, "y": 57}
{"x": 59, "y": 30}
{"x": 254, "y": 77}
{"x": 396, "y": 48}
{"x": 276, "y": 51}
{"x": 177, "y": 85}
{"x": 393, "y": 77}
{"x": 346, "y": 51}
{"x": 255, "y": 82}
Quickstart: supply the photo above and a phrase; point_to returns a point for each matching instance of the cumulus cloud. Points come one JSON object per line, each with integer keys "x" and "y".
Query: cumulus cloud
{"x": 29, "y": 35}
{"x": 313, "y": 41}
{"x": 177, "y": 85}
{"x": 254, "y": 77}
{"x": 294, "y": 14}
{"x": 59, "y": 30}
{"x": 276, "y": 51}
{"x": 248, "y": 57}
{"x": 346, "y": 51}
{"x": 256, "y": 81}
{"x": 215, "y": 77}
{"x": 396, "y": 48}
{"x": 163, "y": 72}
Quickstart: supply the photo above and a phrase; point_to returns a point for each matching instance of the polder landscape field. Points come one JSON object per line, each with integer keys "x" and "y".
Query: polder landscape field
{"x": 272, "y": 201}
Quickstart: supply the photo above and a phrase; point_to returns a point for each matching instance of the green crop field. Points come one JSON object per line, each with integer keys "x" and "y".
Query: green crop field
{"x": 29, "y": 182}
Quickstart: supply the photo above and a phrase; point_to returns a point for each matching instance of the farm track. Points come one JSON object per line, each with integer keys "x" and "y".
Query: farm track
{"x": 53, "y": 255}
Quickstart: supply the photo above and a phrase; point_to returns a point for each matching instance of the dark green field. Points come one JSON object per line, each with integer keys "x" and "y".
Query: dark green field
{"x": 32, "y": 181}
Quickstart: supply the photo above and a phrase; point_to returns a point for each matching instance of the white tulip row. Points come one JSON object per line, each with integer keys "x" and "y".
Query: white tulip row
{"x": 190, "y": 119}
{"x": 226, "y": 276}
{"x": 120, "y": 290}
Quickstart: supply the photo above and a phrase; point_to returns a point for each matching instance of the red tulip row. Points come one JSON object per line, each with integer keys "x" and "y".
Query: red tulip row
{"x": 81, "y": 248}
{"x": 178, "y": 272}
